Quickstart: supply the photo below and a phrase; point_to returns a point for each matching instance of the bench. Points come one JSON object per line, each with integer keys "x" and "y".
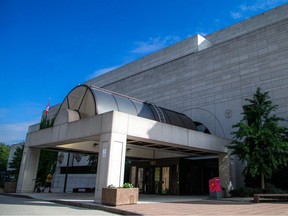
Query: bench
{"x": 276, "y": 196}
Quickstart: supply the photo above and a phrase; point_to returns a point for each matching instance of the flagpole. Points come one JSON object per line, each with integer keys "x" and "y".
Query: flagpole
{"x": 47, "y": 108}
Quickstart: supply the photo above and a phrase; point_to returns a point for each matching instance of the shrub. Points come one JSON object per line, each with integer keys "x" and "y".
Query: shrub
{"x": 249, "y": 191}
{"x": 245, "y": 192}
{"x": 127, "y": 185}
{"x": 273, "y": 189}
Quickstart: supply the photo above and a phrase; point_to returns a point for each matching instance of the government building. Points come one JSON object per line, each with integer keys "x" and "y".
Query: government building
{"x": 162, "y": 122}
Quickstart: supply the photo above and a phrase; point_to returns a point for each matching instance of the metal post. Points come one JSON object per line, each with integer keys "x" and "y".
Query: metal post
{"x": 66, "y": 173}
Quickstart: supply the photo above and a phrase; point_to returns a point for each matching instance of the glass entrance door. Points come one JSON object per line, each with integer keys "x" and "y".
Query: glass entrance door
{"x": 157, "y": 180}
{"x": 161, "y": 180}
{"x": 165, "y": 180}
{"x": 140, "y": 180}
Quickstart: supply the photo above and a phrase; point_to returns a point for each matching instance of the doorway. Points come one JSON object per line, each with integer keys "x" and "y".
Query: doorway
{"x": 165, "y": 180}
{"x": 159, "y": 176}
{"x": 195, "y": 175}
{"x": 161, "y": 180}
{"x": 152, "y": 180}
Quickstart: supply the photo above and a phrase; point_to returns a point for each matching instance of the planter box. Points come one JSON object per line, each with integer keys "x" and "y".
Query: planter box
{"x": 10, "y": 187}
{"x": 119, "y": 196}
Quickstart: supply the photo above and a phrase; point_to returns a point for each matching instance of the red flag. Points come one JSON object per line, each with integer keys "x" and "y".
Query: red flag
{"x": 47, "y": 108}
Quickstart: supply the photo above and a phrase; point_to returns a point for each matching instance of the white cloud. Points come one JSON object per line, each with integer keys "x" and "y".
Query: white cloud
{"x": 153, "y": 44}
{"x": 142, "y": 48}
{"x": 101, "y": 71}
{"x": 14, "y": 132}
{"x": 236, "y": 15}
{"x": 15, "y": 120}
{"x": 246, "y": 10}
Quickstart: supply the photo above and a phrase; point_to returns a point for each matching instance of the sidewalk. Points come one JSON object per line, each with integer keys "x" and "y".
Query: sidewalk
{"x": 168, "y": 205}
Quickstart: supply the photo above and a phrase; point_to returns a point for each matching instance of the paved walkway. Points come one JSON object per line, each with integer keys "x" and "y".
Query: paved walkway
{"x": 169, "y": 205}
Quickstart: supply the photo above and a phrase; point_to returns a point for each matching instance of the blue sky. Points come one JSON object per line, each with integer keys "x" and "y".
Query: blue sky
{"x": 48, "y": 47}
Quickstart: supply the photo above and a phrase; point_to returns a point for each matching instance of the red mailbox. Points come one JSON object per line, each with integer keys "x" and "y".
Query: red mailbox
{"x": 215, "y": 188}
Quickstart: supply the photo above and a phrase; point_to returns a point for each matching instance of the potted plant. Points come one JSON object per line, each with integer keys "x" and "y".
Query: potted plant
{"x": 124, "y": 195}
{"x": 10, "y": 187}
{"x": 10, "y": 184}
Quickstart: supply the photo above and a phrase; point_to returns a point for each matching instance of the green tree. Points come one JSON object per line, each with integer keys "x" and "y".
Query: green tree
{"x": 47, "y": 164}
{"x": 46, "y": 123}
{"x": 16, "y": 162}
{"x": 4, "y": 155}
{"x": 93, "y": 161}
{"x": 259, "y": 140}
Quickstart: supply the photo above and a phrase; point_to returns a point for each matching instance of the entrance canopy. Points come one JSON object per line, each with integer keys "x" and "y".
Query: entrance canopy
{"x": 88, "y": 112}
{"x": 92, "y": 120}
{"x": 145, "y": 138}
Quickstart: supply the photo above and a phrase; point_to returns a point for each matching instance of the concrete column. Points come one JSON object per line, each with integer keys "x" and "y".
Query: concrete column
{"x": 28, "y": 170}
{"x": 111, "y": 162}
{"x": 224, "y": 173}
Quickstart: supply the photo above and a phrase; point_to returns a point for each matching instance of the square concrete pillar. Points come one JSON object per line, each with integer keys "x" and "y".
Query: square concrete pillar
{"x": 28, "y": 170}
{"x": 111, "y": 162}
{"x": 224, "y": 173}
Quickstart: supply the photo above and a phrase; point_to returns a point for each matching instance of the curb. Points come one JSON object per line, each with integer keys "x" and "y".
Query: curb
{"x": 77, "y": 204}
{"x": 95, "y": 206}
{"x": 16, "y": 195}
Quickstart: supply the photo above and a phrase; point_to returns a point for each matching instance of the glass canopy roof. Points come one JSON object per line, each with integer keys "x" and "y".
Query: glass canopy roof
{"x": 91, "y": 100}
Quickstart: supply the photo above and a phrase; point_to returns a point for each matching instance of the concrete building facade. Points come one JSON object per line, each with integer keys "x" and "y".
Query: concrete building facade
{"x": 207, "y": 78}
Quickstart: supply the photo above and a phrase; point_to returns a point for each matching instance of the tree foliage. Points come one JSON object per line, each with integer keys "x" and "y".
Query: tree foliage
{"x": 93, "y": 161}
{"x": 16, "y": 162}
{"x": 46, "y": 123}
{"x": 259, "y": 140}
{"x": 47, "y": 164}
{"x": 4, "y": 155}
